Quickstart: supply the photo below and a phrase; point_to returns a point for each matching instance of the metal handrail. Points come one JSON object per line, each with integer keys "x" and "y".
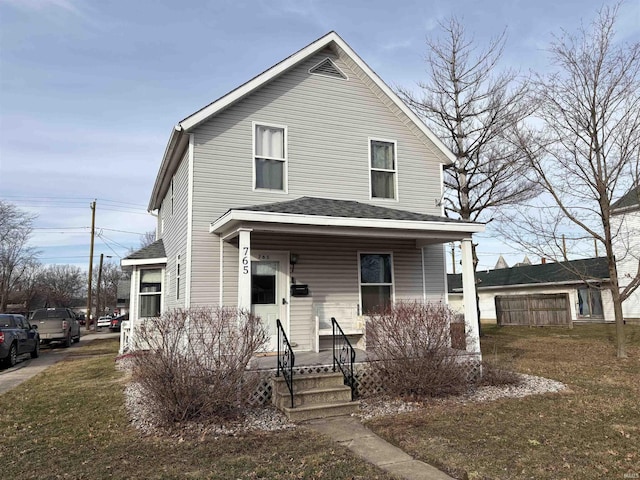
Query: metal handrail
{"x": 286, "y": 360}
{"x": 346, "y": 356}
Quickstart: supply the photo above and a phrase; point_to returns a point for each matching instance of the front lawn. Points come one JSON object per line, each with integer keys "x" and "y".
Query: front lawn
{"x": 590, "y": 431}
{"x": 70, "y": 422}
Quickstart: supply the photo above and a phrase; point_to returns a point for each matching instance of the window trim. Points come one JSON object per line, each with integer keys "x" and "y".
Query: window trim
{"x": 285, "y": 160}
{"x": 160, "y": 293}
{"x": 396, "y": 197}
{"x": 178, "y": 275}
{"x": 393, "y": 277}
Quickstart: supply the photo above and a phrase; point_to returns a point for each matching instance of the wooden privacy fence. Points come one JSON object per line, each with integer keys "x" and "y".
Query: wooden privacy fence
{"x": 534, "y": 309}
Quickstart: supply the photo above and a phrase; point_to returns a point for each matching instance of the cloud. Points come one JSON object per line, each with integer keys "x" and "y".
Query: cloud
{"x": 396, "y": 45}
{"x": 40, "y": 5}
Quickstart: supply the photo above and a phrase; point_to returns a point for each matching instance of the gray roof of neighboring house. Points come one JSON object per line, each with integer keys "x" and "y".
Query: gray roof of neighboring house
{"x": 629, "y": 199}
{"x": 571, "y": 271}
{"x": 155, "y": 250}
{"x": 343, "y": 208}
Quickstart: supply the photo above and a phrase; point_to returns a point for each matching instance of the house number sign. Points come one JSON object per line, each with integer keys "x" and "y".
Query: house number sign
{"x": 245, "y": 260}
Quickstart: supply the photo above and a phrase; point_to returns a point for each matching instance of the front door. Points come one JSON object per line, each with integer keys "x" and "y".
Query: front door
{"x": 269, "y": 292}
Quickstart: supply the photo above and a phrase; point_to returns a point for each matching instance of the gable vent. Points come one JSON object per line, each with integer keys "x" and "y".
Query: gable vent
{"x": 328, "y": 69}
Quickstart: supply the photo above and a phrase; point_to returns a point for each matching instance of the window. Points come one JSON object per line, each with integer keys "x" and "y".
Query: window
{"x": 263, "y": 283}
{"x": 270, "y": 157}
{"x": 172, "y": 196}
{"x": 376, "y": 281}
{"x": 178, "y": 277}
{"x": 383, "y": 169}
{"x": 150, "y": 292}
{"x": 589, "y": 302}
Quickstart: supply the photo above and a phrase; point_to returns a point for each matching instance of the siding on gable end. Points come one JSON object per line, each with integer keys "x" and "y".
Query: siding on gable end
{"x": 174, "y": 236}
{"x": 329, "y": 124}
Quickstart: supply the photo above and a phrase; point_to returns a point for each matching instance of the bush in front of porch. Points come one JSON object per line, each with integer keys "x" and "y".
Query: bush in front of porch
{"x": 192, "y": 363}
{"x": 411, "y": 342}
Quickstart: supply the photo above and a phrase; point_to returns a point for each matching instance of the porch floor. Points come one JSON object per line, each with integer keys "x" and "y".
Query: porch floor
{"x": 305, "y": 359}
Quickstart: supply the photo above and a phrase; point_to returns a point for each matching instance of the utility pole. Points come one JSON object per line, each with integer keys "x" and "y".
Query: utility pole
{"x": 595, "y": 244}
{"x": 93, "y": 231}
{"x": 564, "y": 247}
{"x": 98, "y": 311}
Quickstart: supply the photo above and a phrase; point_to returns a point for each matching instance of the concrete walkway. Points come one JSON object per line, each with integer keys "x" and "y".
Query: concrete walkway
{"x": 348, "y": 431}
{"x": 29, "y": 367}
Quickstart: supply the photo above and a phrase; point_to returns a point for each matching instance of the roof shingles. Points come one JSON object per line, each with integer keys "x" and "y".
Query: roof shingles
{"x": 344, "y": 209}
{"x": 560, "y": 272}
{"x": 154, "y": 250}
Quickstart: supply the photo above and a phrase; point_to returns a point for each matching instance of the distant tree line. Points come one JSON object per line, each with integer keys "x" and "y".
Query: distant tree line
{"x": 26, "y": 283}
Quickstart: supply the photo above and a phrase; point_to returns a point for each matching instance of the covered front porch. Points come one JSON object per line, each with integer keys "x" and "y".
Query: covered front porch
{"x": 308, "y": 260}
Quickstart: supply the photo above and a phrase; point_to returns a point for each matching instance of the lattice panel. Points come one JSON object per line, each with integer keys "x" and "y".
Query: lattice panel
{"x": 368, "y": 381}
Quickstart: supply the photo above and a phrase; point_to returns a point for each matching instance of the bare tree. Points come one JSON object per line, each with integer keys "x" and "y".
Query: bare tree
{"x": 587, "y": 153}
{"x": 472, "y": 105}
{"x": 147, "y": 238}
{"x": 111, "y": 275}
{"x": 62, "y": 284}
{"x": 16, "y": 255}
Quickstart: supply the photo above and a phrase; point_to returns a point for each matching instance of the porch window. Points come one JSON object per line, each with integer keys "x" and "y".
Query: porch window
{"x": 589, "y": 302}
{"x": 376, "y": 281}
{"x": 270, "y": 157}
{"x": 383, "y": 169}
{"x": 150, "y": 292}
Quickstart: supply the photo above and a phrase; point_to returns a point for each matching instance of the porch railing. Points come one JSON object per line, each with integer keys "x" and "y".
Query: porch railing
{"x": 344, "y": 356}
{"x": 286, "y": 359}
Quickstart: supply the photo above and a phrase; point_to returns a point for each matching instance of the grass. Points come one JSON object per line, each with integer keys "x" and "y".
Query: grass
{"x": 590, "y": 431}
{"x": 70, "y": 422}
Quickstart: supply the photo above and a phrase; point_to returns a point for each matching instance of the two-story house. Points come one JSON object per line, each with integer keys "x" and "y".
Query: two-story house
{"x": 311, "y": 191}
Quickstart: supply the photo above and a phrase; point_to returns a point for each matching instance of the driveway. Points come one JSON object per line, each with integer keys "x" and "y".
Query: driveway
{"x": 27, "y": 367}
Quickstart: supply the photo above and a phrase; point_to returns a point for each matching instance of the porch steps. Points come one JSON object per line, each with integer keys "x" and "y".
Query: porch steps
{"x": 315, "y": 396}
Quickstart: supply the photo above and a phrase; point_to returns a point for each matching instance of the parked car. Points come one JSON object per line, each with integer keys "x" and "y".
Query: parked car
{"x": 17, "y": 336}
{"x": 57, "y": 325}
{"x": 104, "y": 321}
{"x": 116, "y": 322}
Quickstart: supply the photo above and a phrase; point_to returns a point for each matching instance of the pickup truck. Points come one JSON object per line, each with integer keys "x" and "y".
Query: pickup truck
{"x": 17, "y": 336}
{"x": 57, "y": 325}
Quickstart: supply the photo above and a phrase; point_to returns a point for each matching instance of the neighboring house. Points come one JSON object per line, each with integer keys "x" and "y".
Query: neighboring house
{"x": 573, "y": 291}
{"x": 307, "y": 193}
{"x": 626, "y": 221}
{"x": 123, "y": 296}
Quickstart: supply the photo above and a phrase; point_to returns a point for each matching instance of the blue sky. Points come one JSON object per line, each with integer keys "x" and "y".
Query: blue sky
{"x": 89, "y": 90}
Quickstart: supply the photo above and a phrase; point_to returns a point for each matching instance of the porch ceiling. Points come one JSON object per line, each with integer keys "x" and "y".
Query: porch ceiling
{"x": 309, "y": 215}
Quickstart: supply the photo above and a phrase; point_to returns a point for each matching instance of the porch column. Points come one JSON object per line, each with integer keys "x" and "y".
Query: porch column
{"x": 244, "y": 269}
{"x": 469, "y": 298}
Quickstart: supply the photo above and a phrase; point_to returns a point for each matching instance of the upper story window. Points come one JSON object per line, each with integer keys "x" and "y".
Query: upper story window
{"x": 376, "y": 281}
{"x": 150, "y": 292}
{"x": 383, "y": 169}
{"x": 270, "y": 157}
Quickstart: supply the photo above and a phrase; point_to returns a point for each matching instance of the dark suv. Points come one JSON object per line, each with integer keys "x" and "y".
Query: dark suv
{"x": 17, "y": 336}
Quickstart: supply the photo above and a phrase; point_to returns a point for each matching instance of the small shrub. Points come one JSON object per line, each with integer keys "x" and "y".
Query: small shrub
{"x": 411, "y": 344}
{"x": 195, "y": 362}
{"x": 498, "y": 374}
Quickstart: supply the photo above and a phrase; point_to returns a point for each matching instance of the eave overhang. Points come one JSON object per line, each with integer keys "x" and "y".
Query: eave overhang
{"x": 227, "y": 226}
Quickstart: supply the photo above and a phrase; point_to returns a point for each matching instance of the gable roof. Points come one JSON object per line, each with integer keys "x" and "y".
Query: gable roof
{"x": 327, "y": 212}
{"x": 151, "y": 254}
{"x": 573, "y": 271}
{"x": 178, "y": 140}
{"x": 629, "y": 200}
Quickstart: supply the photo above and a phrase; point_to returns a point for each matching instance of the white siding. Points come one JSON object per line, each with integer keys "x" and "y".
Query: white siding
{"x": 434, "y": 273}
{"x": 174, "y": 235}
{"x": 329, "y": 122}
{"x": 488, "y": 304}
{"x": 329, "y": 265}
{"x": 627, "y": 251}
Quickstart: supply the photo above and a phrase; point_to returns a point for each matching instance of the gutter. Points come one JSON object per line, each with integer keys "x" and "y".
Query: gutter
{"x": 174, "y": 139}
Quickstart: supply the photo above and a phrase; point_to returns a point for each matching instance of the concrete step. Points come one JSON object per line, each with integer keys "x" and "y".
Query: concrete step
{"x": 308, "y": 382}
{"x": 313, "y": 396}
{"x": 324, "y": 410}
